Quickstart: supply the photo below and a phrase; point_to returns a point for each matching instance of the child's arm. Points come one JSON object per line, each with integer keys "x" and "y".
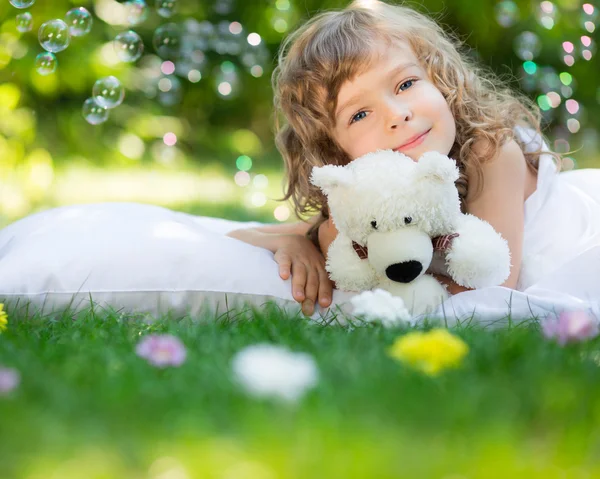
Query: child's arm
{"x": 501, "y": 200}
{"x": 297, "y": 257}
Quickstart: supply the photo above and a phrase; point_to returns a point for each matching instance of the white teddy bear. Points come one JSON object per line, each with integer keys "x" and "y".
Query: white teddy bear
{"x": 398, "y": 220}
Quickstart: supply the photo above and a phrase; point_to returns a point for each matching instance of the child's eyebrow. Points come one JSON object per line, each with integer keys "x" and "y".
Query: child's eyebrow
{"x": 392, "y": 73}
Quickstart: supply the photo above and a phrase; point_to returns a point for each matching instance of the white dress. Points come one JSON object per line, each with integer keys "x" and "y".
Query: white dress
{"x": 560, "y": 267}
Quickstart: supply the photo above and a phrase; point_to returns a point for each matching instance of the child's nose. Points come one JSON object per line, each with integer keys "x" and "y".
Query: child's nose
{"x": 398, "y": 115}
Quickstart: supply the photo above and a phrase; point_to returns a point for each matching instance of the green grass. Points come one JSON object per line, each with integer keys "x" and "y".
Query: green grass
{"x": 88, "y": 407}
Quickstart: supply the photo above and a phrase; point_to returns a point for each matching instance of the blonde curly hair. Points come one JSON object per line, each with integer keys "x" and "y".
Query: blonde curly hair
{"x": 334, "y": 46}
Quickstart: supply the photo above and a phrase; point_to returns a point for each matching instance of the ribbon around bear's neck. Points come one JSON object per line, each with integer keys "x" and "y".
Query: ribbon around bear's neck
{"x": 440, "y": 243}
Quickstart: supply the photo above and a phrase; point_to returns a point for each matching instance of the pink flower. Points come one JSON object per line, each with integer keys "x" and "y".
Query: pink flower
{"x": 9, "y": 380}
{"x": 570, "y": 327}
{"x": 161, "y": 350}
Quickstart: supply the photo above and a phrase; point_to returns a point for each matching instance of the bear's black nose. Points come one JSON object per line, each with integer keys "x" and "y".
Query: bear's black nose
{"x": 404, "y": 272}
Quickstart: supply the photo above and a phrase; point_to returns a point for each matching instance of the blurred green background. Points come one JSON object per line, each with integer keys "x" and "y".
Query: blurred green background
{"x": 194, "y": 132}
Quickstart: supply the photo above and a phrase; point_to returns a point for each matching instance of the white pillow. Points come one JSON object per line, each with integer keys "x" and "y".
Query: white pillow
{"x": 135, "y": 258}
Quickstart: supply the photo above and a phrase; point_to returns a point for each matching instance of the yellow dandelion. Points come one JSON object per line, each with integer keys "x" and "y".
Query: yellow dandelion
{"x": 430, "y": 352}
{"x": 3, "y": 318}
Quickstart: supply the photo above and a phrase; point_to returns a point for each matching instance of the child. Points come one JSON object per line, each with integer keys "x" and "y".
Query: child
{"x": 377, "y": 76}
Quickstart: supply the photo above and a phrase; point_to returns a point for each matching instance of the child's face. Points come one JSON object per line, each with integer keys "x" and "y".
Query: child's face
{"x": 393, "y": 105}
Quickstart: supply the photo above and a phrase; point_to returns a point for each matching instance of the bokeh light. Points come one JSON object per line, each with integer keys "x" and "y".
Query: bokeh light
{"x": 243, "y": 163}
{"x": 527, "y": 45}
{"x": 281, "y": 213}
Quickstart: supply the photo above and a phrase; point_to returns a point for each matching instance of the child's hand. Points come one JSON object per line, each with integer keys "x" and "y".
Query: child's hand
{"x": 299, "y": 257}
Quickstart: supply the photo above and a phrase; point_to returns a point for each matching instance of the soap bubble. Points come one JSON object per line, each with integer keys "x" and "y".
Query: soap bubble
{"x": 79, "y": 21}
{"x": 167, "y": 41}
{"x": 129, "y": 46}
{"x": 527, "y": 46}
{"x": 166, "y": 8}
{"x": 507, "y": 13}
{"x": 21, "y": 3}
{"x": 93, "y": 112}
{"x": 137, "y": 11}
{"x": 45, "y": 63}
{"x": 54, "y": 36}
{"x": 108, "y": 92}
{"x": 24, "y": 22}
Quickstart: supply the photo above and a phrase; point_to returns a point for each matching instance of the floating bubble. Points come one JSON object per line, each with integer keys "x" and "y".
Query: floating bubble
{"x": 80, "y": 21}
{"x": 93, "y": 112}
{"x": 166, "y": 8}
{"x": 21, "y": 3}
{"x": 24, "y": 22}
{"x": 54, "y": 36}
{"x": 507, "y": 13}
{"x": 167, "y": 41}
{"x": 527, "y": 46}
{"x": 129, "y": 46}
{"x": 45, "y": 63}
{"x": 108, "y": 92}
{"x": 137, "y": 12}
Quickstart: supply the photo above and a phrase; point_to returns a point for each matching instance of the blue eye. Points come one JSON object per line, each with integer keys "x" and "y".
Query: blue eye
{"x": 407, "y": 82}
{"x": 356, "y": 117}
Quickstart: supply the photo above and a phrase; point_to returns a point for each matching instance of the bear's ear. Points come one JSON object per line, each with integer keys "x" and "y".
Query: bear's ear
{"x": 437, "y": 167}
{"x": 329, "y": 177}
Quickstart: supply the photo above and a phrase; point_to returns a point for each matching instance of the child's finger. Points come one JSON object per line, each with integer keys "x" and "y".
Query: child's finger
{"x": 325, "y": 289}
{"x": 285, "y": 266}
{"x": 298, "y": 281}
{"x": 312, "y": 289}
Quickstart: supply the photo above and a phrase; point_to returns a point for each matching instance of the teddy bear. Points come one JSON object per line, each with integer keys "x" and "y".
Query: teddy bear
{"x": 400, "y": 220}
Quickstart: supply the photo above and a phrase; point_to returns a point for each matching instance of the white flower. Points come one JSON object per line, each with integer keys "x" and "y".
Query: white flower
{"x": 380, "y": 305}
{"x": 269, "y": 370}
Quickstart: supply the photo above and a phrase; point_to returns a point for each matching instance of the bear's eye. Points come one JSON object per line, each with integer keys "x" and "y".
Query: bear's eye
{"x": 374, "y": 224}
{"x": 407, "y": 220}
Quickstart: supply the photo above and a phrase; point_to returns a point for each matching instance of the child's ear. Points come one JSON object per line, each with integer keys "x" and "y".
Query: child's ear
{"x": 437, "y": 167}
{"x": 329, "y": 177}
